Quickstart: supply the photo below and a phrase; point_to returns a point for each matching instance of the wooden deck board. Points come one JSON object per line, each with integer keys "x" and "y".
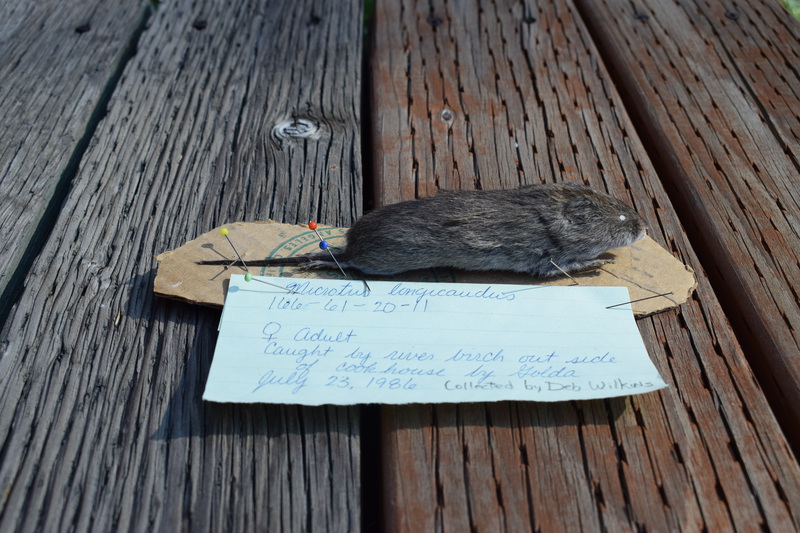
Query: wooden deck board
{"x": 102, "y": 425}
{"x": 488, "y": 96}
{"x": 717, "y": 91}
{"x": 250, "y": 110}
{"x": 57, "y": 61}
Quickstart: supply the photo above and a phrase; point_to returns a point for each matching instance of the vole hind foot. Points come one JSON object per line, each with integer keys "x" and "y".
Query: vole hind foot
{"x": 590, "y": 268}
{"x": 596, "y": 263}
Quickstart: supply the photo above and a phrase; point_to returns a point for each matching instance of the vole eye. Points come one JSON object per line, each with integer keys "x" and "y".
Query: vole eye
{"x": 623, "y": 218}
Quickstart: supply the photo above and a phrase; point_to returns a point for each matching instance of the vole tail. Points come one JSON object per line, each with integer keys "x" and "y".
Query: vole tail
{"x": 308, "y": 260}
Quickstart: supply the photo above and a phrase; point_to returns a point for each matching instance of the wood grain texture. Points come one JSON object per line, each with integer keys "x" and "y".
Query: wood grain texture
{"x": 102, "y": 425}
{"x": 717, "y": 91}
{"x": 491, "y": 95}
{"x": 58, "y": 59}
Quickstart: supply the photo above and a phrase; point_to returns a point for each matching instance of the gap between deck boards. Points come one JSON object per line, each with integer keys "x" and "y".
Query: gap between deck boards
{"x": 372, "y": 482}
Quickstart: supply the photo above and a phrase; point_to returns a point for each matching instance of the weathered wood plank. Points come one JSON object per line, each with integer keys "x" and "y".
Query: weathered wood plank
{"x": 470, "y": 94}
{"x": 102, "y": 425}
{"x": 717, "y": 91}
{"x": 58, "y": 59}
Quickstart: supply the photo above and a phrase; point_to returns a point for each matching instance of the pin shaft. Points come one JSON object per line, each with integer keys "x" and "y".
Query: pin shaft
{"x": 249, "y": 277}
{"x": 224, "y": 233}
{"x": 640, "y": 299}
{"x": 313, "y": 227}
{"x": 564, "y": 272}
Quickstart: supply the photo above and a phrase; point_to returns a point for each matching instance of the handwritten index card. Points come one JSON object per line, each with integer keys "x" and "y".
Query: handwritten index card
{"x": 335, "y": 342}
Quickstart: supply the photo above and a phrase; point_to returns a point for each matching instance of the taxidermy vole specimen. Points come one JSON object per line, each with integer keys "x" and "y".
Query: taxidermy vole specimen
{"x": 521, "y": 230}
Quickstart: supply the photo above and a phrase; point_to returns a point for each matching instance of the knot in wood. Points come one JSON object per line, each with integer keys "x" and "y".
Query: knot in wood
{"x": 297, "y": 128}
{"x": 447, "y": 116}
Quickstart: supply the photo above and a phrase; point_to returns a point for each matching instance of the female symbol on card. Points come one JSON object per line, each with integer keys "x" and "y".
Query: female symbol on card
{"x": 270, "y": 331}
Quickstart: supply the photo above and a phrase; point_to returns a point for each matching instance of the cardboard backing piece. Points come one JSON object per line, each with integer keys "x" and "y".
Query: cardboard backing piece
{"x": 645, "y": 268}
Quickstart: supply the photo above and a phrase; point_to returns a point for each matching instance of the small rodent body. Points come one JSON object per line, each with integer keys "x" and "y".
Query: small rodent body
{"x": 520, "y": 230}
{"x": 542, "y": 230}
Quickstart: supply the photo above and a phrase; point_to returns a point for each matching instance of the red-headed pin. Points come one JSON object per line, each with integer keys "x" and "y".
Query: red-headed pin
{"x": 323, "y": 245}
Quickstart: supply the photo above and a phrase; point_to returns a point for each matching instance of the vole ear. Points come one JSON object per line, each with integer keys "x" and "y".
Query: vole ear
{"x": 579, "y": 211}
